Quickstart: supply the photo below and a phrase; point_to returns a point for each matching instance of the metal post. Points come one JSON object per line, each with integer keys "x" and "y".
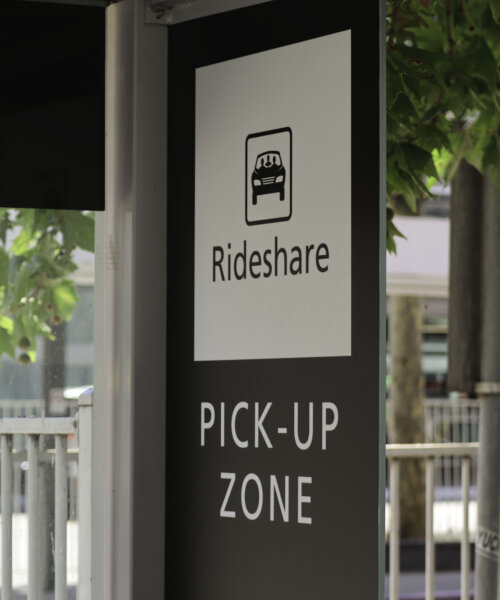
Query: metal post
{"x": 465, "y": 544}
{"x": 430, "y": 563}
{"x": 489, "y": 394}
{"x": 130, "y": 324}
{"x": 61, "y": 518}
{"x": 34, "y": 580}
{"x": 464, "y": 283}
{"x": 85, "y": 495}
{"x": 394, "y": 533}
{"x": 6, "y": 499}
{"x": 17, "y": 487}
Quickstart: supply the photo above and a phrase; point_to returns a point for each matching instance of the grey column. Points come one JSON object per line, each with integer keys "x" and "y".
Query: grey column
{"x": 489, "y": 393}
{"x": 128, "y": 478}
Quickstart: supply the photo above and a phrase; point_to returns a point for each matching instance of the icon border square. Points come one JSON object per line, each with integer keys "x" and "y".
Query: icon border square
{"x": 262, "y": 134}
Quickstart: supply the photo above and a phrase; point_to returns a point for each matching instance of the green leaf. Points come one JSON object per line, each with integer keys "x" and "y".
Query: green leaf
{"x": 78, "y": 230}
{"x": 462, "y": 143}
{"x": 392, "y": 232}
{"x": 22, "y": 242}
{"x": 65, "y": 299}
{"x": 4, "y": 267}
{"x": 51, "y": 267}
{"x": 7, "y": 344}
{"x": 432, "y": 33}
{"x": 42, "y": 219}
{"x": 414, "y": 85}
{"x": 46, "y": 331}
{"x": 491, "y": 155}
{"x": 5, "y": 225}
{"x": 6, "y": 323}
{"x": 421, "y": 56}
{"x": 402, "y": 105}
{"x": 419, "y": 160}
{"x": 495, "y": 10}
{"x": 398, "y": 181}
{"x": 477, "y": 100}
{"x": 23, "y": 283}
{"x": 480, "y": 62}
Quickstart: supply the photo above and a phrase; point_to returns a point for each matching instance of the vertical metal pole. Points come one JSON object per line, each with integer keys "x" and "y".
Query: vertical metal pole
{"x": 488, "y": 390}
{"x": 382, "y": 295}
{"x": 6, "y": 499}
{"x": 85, "y": 495}
{"x": 61, "y": 519}
{"x": 130, "y": 300}
{"x": 34, "y": 580}
{"x": 17, "y": 487}
{"x": 464, "y": 322}
{"x": 394, "y": 533}
{"x": 488, "y": 493}
{"x": 429, "y": 529}
{"x": 455, "y": 437}
{"x": 465, "y": 544}
{"x": 448, "y": 460}
{"x": 72, "y": 494}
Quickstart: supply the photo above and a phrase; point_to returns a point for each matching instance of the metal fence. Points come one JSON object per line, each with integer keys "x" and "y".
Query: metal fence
{"x": 32, "y": 454}
{"x": 431, "y": 453}
{"x": 21, "y": 408}
{"x": 33, "y": 429}
{"x": 452, "y": 421}
{"x": 29, "y": 408}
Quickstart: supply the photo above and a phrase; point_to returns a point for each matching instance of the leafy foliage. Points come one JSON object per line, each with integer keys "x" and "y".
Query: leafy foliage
{"x": 443, "y": 92}
{"x": 36, "y": 258}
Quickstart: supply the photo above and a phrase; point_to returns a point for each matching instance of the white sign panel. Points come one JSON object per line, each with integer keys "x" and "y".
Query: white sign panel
{"x": 273, "y": 203}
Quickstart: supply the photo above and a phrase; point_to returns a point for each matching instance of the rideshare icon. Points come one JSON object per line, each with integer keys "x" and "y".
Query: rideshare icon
{"x": 268, "y": 191}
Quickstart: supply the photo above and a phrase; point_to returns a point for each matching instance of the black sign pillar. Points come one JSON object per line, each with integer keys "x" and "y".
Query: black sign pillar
{"x": 275, "y": 297}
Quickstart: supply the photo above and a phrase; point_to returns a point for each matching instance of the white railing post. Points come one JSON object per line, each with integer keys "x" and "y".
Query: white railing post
{"x": 17, "y": 487}
{"x": 430, "y": 559}
{"x": 85, "y": 494}
{"x": 34, "y": 580}
{"x": 32, "y": 429}
{"x": 465, "y": 543}
{"x": 6, "y": 503}
{"x": 61, "y": 519}
{"x": 394, "y": 533}
{"x": 430, "y": 452}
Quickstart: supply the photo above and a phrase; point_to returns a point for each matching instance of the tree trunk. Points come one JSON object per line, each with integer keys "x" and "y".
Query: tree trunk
{"x": 406, "y": 423}
{"x": 489, "y": 394}
{"x": 464, "y": 288}
{"x": 406, "y": 418}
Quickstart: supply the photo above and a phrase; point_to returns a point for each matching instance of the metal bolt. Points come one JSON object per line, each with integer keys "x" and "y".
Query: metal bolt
{"x": 158, "y": 9}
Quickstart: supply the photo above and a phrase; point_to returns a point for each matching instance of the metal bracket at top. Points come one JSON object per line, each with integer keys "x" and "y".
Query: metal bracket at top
{"x": 158, "y": 12}
{"x": 168, "y": 12}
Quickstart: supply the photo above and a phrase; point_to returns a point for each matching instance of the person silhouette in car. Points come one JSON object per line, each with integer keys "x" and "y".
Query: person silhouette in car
{"x": 268, "y": 176}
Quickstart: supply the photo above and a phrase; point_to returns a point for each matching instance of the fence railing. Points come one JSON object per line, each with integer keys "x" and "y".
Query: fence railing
{"x": 33, "y": 429}
{"x": 34, "y": 454}
{"x": 395, "y": 453}
{"x": 21, "y": 408}
{"x": 453, "y": 420}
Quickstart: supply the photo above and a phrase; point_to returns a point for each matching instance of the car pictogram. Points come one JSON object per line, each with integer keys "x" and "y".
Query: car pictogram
{"x": 268, "y": 176}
